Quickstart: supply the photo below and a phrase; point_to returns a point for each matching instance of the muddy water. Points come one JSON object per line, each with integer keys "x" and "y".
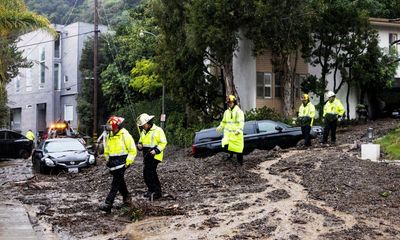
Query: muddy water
{"x": 321, "y": 193}
{"x": 279, "y": 212}
{"x": 15, "y": 170}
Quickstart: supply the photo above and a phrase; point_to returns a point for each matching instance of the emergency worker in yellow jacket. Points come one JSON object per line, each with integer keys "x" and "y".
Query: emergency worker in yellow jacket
{"x": 30, "y": 135}
{"x": 152, "y": 142}
{"x": 306, "y": 118}
{"x": 119, "y": 152}
{"x": 233, "y": 123}
{"x": 333, "y": 109}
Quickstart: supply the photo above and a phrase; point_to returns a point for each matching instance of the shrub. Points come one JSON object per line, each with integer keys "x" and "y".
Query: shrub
{"x": 262, "y": 113}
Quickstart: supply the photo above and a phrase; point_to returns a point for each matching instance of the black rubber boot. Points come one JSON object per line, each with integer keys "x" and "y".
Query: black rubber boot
{"x": 127, "y": 201}
{"x": 105, "y": 207}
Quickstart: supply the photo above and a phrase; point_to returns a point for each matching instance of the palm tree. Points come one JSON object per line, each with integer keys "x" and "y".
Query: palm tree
{"x": 16, "y": 19}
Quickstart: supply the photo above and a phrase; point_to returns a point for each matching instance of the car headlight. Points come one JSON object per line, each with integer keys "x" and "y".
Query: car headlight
{"x": 91, "y": 159}
{"x": 49, "y": 162}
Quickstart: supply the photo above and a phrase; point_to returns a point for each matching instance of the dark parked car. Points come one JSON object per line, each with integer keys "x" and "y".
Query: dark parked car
{"x": 61, "y": 153}
{"x": 264, "y": 135}
{"x": 14, "y": 145}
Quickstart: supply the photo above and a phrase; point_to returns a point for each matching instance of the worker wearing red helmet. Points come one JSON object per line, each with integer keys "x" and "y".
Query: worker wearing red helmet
{"x": 119, "y": 152}
{"x": 232, "y": 124}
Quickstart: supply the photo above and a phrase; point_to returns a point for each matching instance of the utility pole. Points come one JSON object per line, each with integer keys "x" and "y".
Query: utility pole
{"x": 95, "y": 71}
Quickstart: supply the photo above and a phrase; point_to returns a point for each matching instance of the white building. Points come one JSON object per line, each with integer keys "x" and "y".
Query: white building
{"x": 259, "y": 86}
{"x": 48, "y": 90}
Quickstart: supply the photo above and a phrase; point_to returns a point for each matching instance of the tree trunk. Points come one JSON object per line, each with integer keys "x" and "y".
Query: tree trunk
{"x": 230, "y": 84}
{"x": 287, "y": 87}
{"x": 348, "y": 96}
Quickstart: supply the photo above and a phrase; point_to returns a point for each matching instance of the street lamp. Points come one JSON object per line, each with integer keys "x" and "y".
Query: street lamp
{"x": 163, "y": 116}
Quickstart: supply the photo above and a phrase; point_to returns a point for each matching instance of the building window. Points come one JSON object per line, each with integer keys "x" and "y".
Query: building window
{"x": 57, "y": 46}
{"x": 17, "y": 84}
{"x": 278, "y": 84}
{"x": 57, "y": 76}
{"x": 28, "y": 79}
{"x": 68, "y": 112}
{"x": 299, "y": 79}
{"x": 264, "y": 88}
{"x": 42, "y": 68}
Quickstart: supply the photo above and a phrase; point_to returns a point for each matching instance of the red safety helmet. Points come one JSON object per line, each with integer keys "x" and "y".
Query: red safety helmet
{"x": 114, "y": 123}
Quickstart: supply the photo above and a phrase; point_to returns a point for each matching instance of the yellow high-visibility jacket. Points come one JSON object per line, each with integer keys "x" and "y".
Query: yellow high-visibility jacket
{"x": 307, "y": 111}
{"x": 120, "y": 144}
{"x": 30, "y": 135}
{"x": 154, "y": 138}
{"x": 233, "y": 124}
{"x": 335, "y": 107}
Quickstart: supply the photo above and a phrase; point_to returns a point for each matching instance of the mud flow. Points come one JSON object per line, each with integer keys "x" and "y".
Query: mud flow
{"x": 317, "y": 193}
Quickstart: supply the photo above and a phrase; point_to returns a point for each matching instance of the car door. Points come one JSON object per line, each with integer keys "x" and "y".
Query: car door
{"x": 3, "y": 145}
{"x": 269, "y": 135}
{"x": 14, "y": 144}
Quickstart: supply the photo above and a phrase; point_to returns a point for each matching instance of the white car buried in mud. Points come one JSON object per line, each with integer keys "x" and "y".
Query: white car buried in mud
{"x": 63, "y": 154}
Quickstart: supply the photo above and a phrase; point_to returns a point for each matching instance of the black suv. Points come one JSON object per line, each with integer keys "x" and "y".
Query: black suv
{"x": 263, "y": 134}
{"x": 14, "y": 145}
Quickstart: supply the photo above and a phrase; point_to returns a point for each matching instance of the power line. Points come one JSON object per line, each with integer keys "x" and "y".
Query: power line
{"x": 33, "y": 44}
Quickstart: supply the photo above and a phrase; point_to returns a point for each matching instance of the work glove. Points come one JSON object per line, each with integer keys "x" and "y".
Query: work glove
{"x": 153, "y": 152}
{"x": 219, "y": 129}
{"x": 237, "y": 132}
{"x": 128, "y": 162}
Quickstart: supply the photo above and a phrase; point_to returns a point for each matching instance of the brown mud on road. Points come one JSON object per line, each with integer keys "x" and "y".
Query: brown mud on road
{"x": 321, "y": 193}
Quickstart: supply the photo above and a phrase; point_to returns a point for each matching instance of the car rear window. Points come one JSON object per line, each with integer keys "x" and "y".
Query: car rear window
{"x": 14, "y": 136}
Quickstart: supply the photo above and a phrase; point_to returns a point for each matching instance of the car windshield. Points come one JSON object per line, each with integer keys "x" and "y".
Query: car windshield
{"x": 63, "y": 146}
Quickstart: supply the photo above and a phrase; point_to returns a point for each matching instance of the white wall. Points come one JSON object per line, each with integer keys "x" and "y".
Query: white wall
{"x": 244, "y": 72}
{"x": 383, "y": 32}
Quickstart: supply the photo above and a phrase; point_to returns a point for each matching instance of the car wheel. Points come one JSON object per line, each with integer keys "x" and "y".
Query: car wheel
{"x": 24, "y": 154}
{"x": 43, "y": 169}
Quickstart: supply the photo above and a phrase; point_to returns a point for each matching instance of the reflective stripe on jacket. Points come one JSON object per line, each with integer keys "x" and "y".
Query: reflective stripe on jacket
{"x": 307, "y": 111}
{"x": 120, "y": 144}
{"x": 154, "y": 138}
{"x": 335, "y": 107}
{"x": 232, "y": 123}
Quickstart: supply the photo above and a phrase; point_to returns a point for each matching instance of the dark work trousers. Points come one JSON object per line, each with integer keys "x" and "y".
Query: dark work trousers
{"x": 150, "y": 175}
{"x": 305, "y": 130}
{"x": 238, "y": 155}
{"x": 118, "y": 184}
{"x": 330, "y": 127}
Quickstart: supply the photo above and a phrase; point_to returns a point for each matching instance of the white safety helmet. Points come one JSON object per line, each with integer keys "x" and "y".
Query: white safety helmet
{"x": 143, "y": 119}
{"x": 330, "y": 94}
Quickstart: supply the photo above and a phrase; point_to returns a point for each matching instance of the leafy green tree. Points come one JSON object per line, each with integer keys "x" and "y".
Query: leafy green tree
{"x": 112, "y": 12}
{"x": 374, "y": 73}
{"x": 213, "y": 31}
{"x": 145, "y": 78}
{"x": 187, "y": 78}
{"x": 282, "y": 26}
{"x": 85, "y": 97}
{"x": 338, "y": 35}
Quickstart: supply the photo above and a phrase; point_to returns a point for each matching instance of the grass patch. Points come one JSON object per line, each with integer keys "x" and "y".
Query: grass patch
{"x": 391, "y": 144}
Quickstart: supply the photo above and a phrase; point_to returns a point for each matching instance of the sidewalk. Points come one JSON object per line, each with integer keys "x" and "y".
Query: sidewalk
{"x": 14, "y": 222}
